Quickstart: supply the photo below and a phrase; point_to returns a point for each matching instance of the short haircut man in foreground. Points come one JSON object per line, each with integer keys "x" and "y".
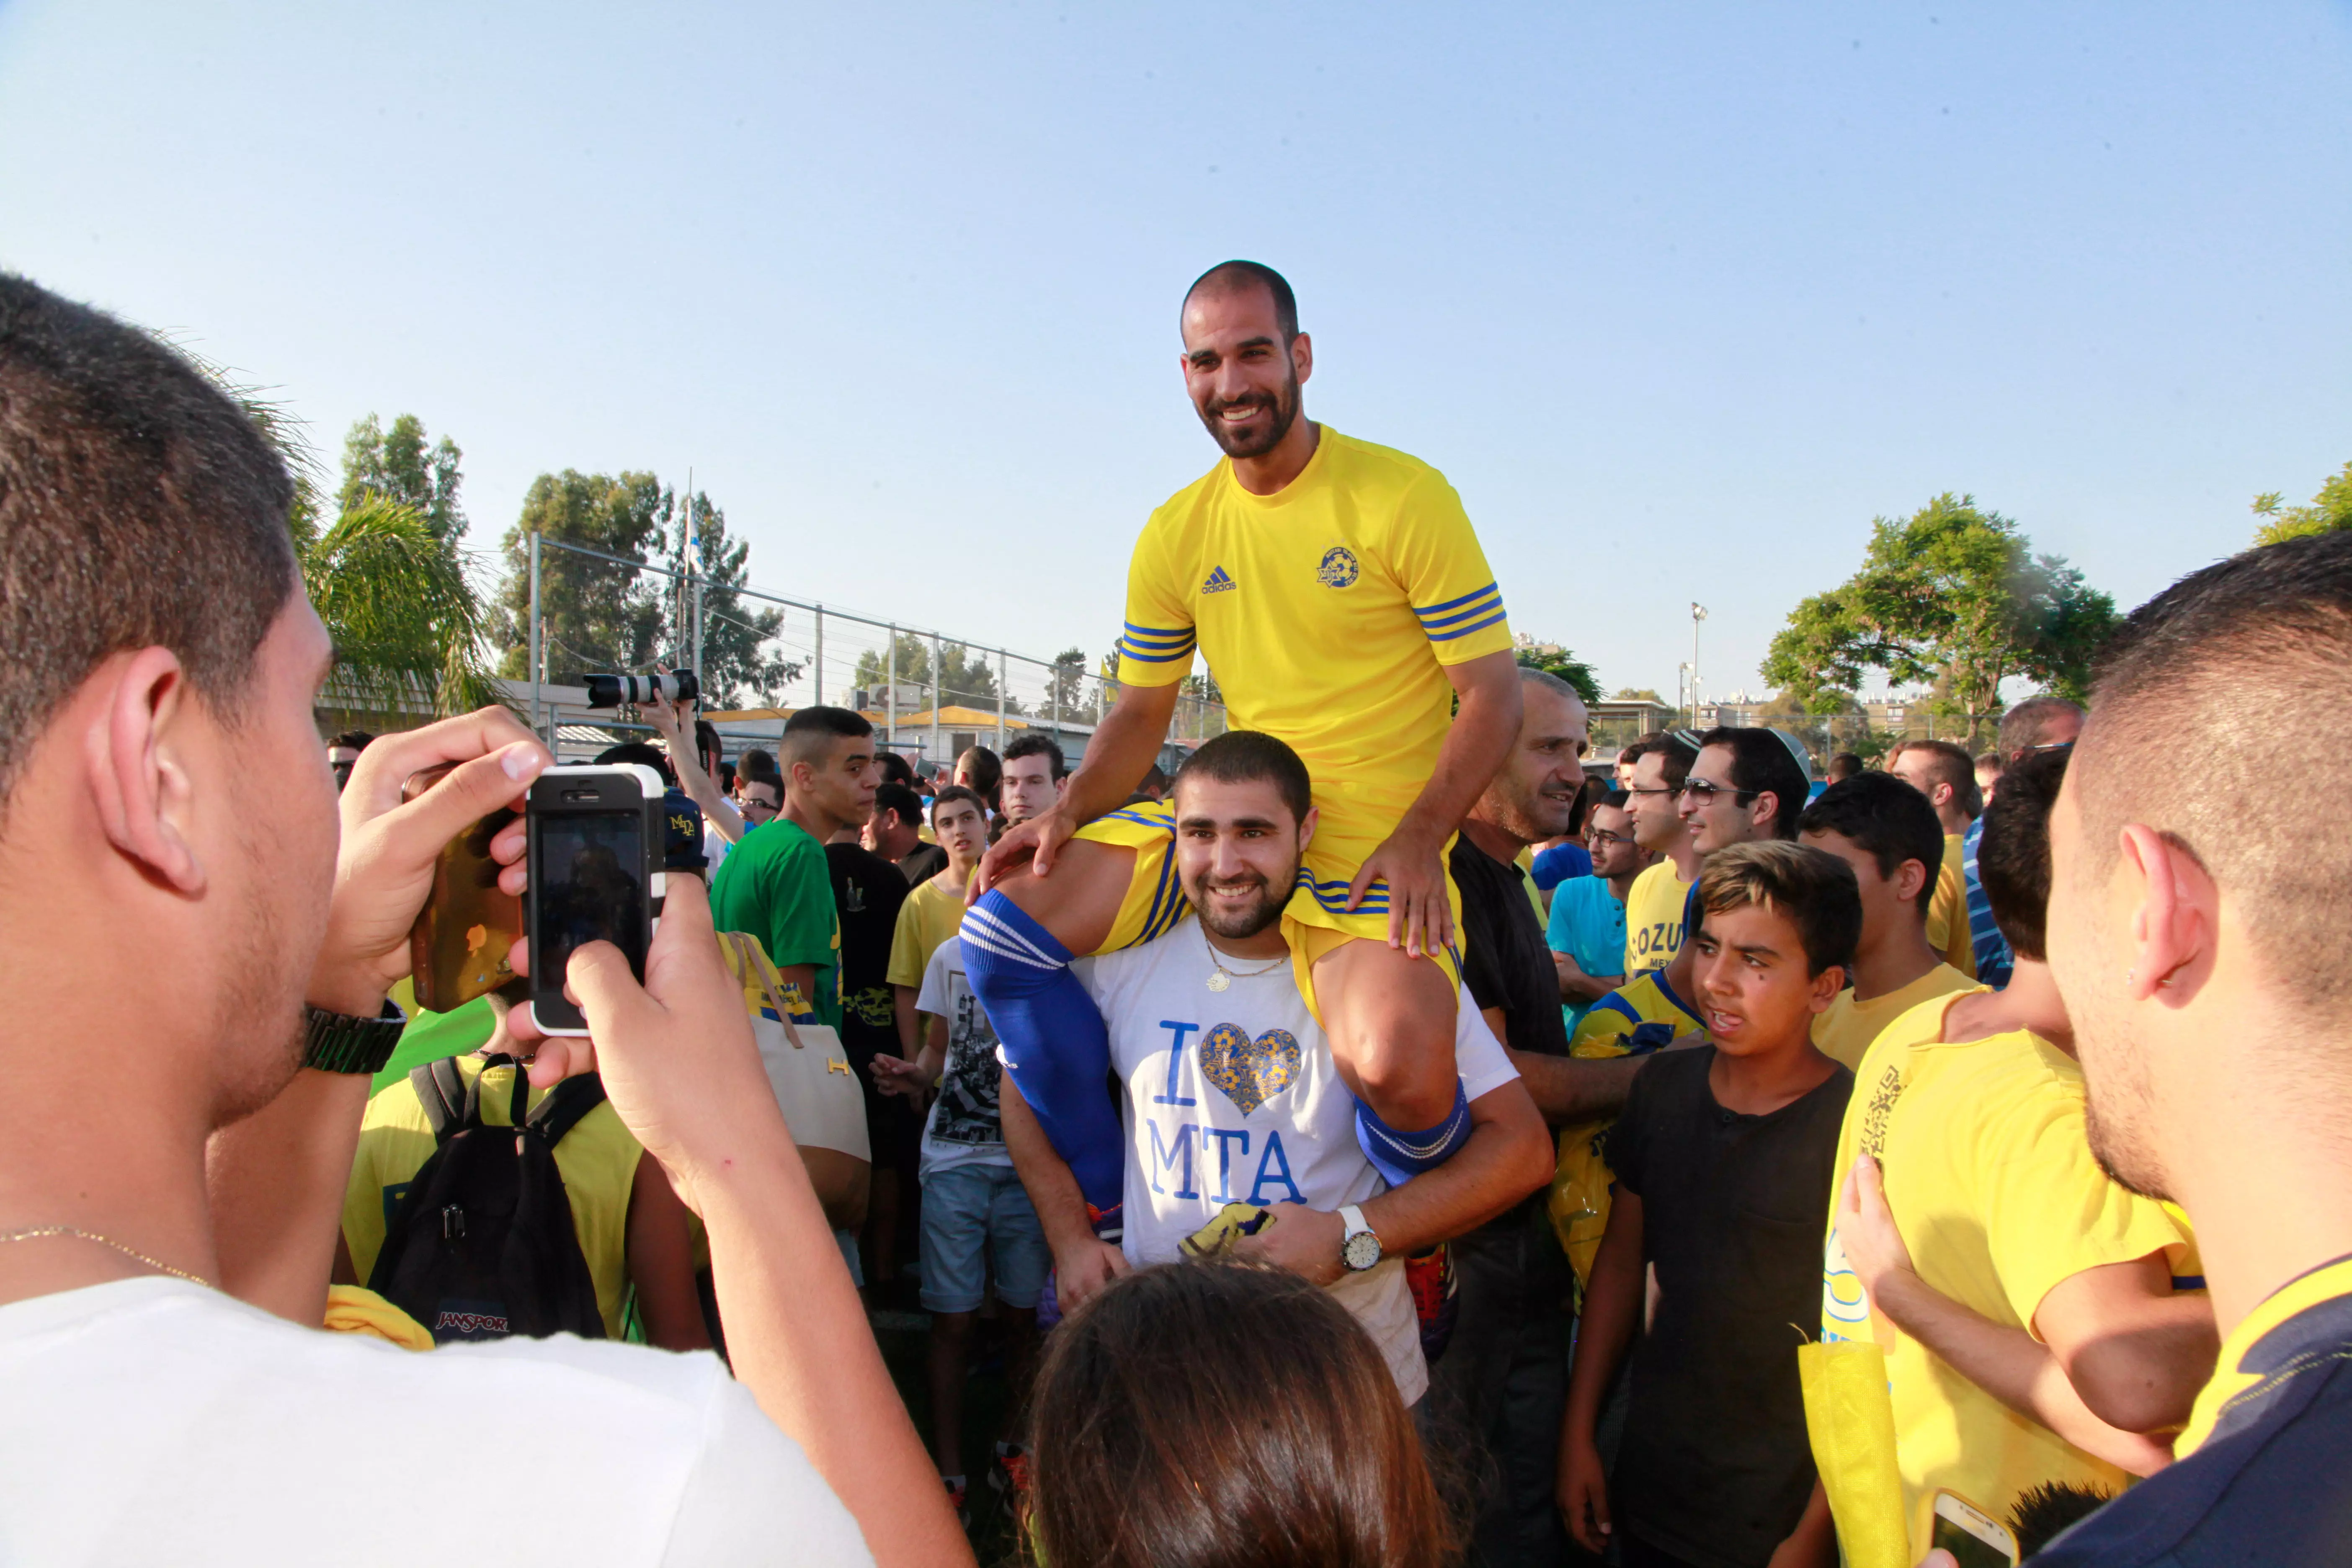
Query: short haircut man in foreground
{"x": 2197, "y": 932}
{"x": 170, "y": 844}
{"x": 1232, "y": 1092}
{"x": 1340, "y": 595}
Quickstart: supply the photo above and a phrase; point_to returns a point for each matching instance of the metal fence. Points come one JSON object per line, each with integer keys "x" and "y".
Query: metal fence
{"x": 929, "y": 695}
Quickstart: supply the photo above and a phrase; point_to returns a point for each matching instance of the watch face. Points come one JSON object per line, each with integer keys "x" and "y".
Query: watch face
{"x": 1361, "y": 1251}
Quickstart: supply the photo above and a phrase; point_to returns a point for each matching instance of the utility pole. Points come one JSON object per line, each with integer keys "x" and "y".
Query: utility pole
{"x": 1698, "y": 613}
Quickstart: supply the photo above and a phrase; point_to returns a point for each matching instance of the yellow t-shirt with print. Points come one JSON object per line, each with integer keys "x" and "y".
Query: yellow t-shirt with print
{"x": 931, "y": 915}
{"x": 1947, "y": 910}
{"x": 1653, "y": 918}
{"x": 597, "y": 1159}
{"x": 1989, "y": 1176}
{"x": 1328, "y": 613}
{"x": 1844, "y": 1033}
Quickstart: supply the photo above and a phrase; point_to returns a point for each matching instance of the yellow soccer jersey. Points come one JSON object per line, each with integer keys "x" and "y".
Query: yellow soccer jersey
{"x": 1844, "y": 1033}
{"x": 1984, "y": 1153}
{"x": 931, "y": 915}
{"x": 1654, "y": 905}
{"x": 597, "y": 1159}
{"x": 1642, "y": 1015}
{"x": 1327, "y": 612}
{"x": 1947, "y": 910}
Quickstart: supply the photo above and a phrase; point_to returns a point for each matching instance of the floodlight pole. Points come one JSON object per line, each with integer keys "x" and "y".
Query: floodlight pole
{"x": 1698, "y": 613}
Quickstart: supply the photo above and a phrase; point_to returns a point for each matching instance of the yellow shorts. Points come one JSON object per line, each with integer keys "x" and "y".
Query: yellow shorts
{"x": 1316, "y": 918}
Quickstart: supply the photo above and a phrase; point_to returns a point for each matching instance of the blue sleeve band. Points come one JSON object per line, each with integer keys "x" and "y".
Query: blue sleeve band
{"x": 1054, "y": 1040}
{"x": 1401, "y": 1156}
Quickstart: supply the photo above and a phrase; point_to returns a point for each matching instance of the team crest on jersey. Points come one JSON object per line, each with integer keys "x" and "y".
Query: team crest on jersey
{"x": 1218, "y": 582}
{"x": 1338, "y": 569}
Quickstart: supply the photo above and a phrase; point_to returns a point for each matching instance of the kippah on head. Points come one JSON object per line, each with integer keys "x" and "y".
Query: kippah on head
{"x": 139, "y": 506}
{"x": 1228, "y": 275}
{"x": 2184, "y": 738}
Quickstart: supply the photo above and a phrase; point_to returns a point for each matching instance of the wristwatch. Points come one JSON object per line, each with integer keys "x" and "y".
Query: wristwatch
{"x": 337, "y": 1042}
{"x": 1359, "y": 1247}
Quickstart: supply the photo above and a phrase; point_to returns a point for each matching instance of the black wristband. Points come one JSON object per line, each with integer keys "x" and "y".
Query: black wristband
{"x": 337, "y": 1042}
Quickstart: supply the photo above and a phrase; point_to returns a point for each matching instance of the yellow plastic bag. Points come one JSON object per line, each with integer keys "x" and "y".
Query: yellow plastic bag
{"x": 1579, "y": 1200}
{"x": 1851, "y": 1422}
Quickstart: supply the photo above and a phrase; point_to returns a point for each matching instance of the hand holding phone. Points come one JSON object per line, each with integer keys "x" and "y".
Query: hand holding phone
{"x": 384, "y": 865}
{"x": 595, "y": 837}
{"x": 1973, "y": 1537}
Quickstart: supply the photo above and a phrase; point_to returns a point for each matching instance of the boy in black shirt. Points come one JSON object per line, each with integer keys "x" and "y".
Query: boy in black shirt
{"x": 1723, "y": 1158}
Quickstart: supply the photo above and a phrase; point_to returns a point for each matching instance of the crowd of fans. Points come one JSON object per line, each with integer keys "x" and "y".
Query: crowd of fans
{"x": 1941, "y": 1155}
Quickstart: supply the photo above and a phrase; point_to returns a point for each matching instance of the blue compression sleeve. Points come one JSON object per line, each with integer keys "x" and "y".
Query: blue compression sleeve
{"x": 1401, "y": 1156}
{"x": 1054, "y": 1043}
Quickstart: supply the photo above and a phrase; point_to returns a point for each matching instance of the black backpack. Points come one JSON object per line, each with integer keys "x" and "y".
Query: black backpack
{"x": 482, "y": 1245}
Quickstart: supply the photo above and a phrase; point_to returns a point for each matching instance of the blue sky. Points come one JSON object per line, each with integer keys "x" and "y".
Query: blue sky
{"x": 1678, "y": 297}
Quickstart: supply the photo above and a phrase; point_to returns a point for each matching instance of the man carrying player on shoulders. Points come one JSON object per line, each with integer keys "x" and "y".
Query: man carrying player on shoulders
{"x": 1341, "y": 598}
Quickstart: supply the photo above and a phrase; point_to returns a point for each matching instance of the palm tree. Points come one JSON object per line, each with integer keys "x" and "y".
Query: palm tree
{"x": 409, "y": 628}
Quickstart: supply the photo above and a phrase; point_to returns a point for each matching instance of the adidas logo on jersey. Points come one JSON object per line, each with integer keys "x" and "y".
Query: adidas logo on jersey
{"x": 1218, "y": 582}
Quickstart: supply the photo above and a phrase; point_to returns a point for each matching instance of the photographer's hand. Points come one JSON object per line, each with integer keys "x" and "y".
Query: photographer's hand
{"x": 275, "y": 1180}
{"x": 383, "y": 867}
{"x": 680, "y": 1066}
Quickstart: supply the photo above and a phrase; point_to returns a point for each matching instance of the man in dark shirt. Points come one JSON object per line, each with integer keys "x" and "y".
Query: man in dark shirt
{"x": 895, "y": 832}
{"x": 1495, "y": 1395}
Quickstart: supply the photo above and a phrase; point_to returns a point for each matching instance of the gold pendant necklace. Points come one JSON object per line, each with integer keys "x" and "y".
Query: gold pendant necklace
{"x": 1225, "y": 977}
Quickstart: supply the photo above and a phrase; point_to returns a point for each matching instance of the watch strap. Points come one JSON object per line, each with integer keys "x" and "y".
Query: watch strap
{"x": 337, "y": 1042}
{"x": 1351, "y": 1225}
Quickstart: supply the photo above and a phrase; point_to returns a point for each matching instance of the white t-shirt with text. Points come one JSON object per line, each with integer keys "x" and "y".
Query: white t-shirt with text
{"x": 1233, "y": 1097}
{"x": 964, "y": 1127}
{"x": 152, "y": 1421}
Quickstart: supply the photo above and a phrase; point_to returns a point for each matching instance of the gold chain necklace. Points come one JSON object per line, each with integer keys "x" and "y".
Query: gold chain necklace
{"x": 1225, "y": 977}
{"x": 39, "y": 1231}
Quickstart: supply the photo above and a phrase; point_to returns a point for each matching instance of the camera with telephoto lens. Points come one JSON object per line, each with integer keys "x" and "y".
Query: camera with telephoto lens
{"x": 639, "y": 691}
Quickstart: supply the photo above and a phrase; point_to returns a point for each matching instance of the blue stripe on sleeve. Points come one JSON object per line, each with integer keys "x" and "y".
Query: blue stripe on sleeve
{"x": 1494, "y": 620}
{"x": 1493, "y": 602}
{"x": 1424, "y": 611}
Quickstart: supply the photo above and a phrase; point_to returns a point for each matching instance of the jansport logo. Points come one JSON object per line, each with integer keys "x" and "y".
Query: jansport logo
{"x": 1218, "y": 582}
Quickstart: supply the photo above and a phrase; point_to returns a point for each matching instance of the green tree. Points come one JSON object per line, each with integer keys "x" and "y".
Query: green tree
{"x": 595, "y": 615}
{"x": 1066, "y": 683}
{"x": 966, "y": 678}
{"x": 2330, "y": 512}
{"x": 396, "y": 466}
{"x": 1639, "y": 694}
{"x": 407, "y": 624}
{"x": 1952, "y": 595}
{"x": 1554, "y": 660}
{"x": 736, "y": 664}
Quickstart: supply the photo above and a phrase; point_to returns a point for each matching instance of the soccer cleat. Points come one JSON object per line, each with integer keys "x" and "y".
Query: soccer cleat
{"x": 1008, "y": 1475}
{"x": 1436, "y": 1298}
{"x": 956, "y": 1490}
{"x": 1109, "y": 1224}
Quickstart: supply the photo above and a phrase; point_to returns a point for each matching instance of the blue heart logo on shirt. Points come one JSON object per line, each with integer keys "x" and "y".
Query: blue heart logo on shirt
{"x": 1249, "y": 1072}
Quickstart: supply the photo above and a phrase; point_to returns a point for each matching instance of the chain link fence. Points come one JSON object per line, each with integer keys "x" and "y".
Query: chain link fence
{"x": 761, "y": 656}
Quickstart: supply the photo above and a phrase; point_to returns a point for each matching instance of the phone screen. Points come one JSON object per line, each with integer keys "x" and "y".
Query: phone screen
{"x": 588, "y": 884}
{"x": 1968, "y": 1550}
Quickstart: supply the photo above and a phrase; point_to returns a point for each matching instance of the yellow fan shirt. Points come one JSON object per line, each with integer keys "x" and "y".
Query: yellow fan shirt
{"x": 1947, "y": 910}
{"x": 1653, "y": 918}
{"x": 1991, "y": 1179}
{"x": 931, "y": 915}
{"x": 1328, "y": 613}
{"x": 597, "y": 1159}
{"x": 1844, "y": 1033}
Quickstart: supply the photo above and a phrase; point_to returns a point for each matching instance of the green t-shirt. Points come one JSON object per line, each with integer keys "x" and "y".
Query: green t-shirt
{"x": 775, "y": 885}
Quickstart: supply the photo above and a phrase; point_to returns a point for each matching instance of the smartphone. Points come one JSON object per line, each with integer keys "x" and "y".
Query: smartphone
{"x": 1973, "y": 1537}
{"x": 457, "y": 948}
{"x": 595, "y": 868}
